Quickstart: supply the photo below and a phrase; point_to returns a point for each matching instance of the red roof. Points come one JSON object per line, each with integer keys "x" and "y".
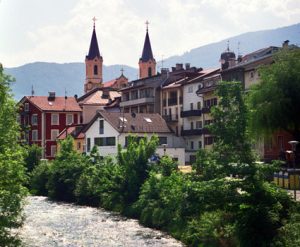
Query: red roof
{"x": 75, "y": 131}
{"x": 58, "y": 104}
{"x": 109, "y": 83}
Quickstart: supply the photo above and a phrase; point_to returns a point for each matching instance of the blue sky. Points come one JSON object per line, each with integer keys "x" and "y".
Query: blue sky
{"x": 60, "y": 30}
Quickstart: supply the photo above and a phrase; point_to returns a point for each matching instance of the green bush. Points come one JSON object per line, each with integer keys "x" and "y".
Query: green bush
{"x": 39, "y": 179}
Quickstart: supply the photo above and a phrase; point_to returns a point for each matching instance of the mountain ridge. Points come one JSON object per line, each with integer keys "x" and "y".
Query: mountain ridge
{"x": 57, "y": 77}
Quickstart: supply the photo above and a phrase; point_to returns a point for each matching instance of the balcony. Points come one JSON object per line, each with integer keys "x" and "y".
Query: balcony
{"x": 172, "y": 101}
{"x": 206, "y": 110}
{"x": 190, "y": 113}
{"x": 138, "y": 101}
{"x": 170, "y": 118}
{"x": 191, "y": 132}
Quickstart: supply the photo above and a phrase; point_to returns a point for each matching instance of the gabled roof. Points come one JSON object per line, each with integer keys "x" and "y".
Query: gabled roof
{"x": 137, "y": 123}
{"x": 58, "y": 104}
{"x": 75, "y": 131}
{"x": 147, "y": 50}
{"x": 203, "y": 74}
{"x": 94, "y": 49}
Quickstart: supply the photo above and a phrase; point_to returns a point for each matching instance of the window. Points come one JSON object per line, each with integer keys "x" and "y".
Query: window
{"x": 134, "y": 95}
{"x": 105, "y": 141}
{"x": 26, "y": 107}
{"x": 95, "y": 70}
{"x": 192, "y": 125}
{"x": 200, "y": 144}
{"x": 208, "y": 140}
{"x": 78, "y": 145}
{"x": 149, "y": 71}
{"x": 34, "y": 119}
{"x": 192, "y": 159}
{"x": 280, "y": 143}
{"x": 163, "y": 140}
{"x": 53, "y": 151}
{"x": 54, "y": 119}
{"x": 198, "y": 124}
{"x": 199, "y": 105}
{"x": 192, "y": 106}
{"x": 54, "y": 134}
{"x": 190, "y": 89}
{"x": 192, "y": 145}
{"x": 101, "y": 126}
{"x": 69, "y": 119}
{"x": 148, "y": 120}
{"x": 88, "y": 146}
{"x": 34, "y": 136}
{"x": 251, "y": 74}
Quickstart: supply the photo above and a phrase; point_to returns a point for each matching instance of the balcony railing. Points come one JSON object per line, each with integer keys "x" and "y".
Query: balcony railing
{"x": 191, "y": 132}
{"x": 190, "y": 113}
{"x": 170, "y": 118}
{"x": 206, "y": 110}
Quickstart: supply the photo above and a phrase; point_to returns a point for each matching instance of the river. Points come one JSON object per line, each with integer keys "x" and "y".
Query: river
{"x": 50, "y": 223}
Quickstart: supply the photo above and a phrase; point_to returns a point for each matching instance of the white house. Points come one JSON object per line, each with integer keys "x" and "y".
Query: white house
{"x": 107, "y": 129}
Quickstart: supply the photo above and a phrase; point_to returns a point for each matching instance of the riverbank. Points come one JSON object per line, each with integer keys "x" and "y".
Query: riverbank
{"x": 50, "y": 223}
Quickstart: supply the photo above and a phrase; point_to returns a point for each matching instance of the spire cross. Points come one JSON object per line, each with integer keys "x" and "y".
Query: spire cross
{"x": 122, "y": 70}
{"x": 147, "y": 24}
{"x": 227, "y": 45}
{"x": 94, "y": 19}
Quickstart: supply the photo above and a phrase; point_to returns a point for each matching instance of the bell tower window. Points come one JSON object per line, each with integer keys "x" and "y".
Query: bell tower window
{"x": 95, "y": 70}
{"x": 149, "y": 71}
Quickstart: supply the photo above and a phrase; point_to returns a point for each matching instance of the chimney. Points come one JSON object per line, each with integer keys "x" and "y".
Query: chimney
{"x": 187, "y": 66}
{"x": 239, "y": 58}
{"x": 105, "y": 94}
{"x": 285, "y": 43}
{"x": 179, "y": 66}
{"x": 164, "y": 71}
{"x": 51, "y": 96}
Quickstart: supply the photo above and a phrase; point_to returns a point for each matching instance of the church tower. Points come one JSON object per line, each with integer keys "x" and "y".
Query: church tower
{"x": 147, "y": 63}
{"x": 93, "y": 65}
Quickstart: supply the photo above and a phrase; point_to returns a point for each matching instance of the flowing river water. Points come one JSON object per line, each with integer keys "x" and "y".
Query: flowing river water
{"x": 50, "y": 223}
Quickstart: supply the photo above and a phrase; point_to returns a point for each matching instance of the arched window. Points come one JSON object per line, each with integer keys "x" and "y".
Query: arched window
{"x": 95, "y": 70}
{"x": 149, "y": 71}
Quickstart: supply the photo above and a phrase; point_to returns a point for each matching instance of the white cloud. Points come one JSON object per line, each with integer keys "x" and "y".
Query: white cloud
{"x": 175, "y": 27}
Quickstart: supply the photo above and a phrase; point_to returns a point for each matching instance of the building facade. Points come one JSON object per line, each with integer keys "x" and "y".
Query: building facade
{"x": 42, "y": 118}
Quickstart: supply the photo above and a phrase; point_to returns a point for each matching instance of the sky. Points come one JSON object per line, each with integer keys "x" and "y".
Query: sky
{"x": 60, "y": 30}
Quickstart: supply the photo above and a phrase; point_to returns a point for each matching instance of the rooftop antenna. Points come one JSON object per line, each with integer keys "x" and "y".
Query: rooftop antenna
{"x": 32, "y": 91}
{"x": 227, "y": 45}
{"x": 239, "y": 48}
{"x": 162, "y": 61}
{"x": 66, "y": 98}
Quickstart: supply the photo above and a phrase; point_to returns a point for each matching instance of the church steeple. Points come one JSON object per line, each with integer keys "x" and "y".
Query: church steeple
{"x": 147, "y": 63}
{"x": 93, "y": 63}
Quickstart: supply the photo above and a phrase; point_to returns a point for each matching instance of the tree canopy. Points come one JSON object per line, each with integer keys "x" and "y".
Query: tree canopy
{"x": 275, "y": 101}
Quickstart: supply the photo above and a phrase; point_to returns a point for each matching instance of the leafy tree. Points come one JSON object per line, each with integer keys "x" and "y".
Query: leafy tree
{"x": 32, "y": 157}
{"x": 135, "y": 162}
{"x": 39, "y": 178}
{"x": 65, "y": 171}
{"x": 12, "y": 171}
{"x": 275, "y": 101}
{"x": 230, "y": 125}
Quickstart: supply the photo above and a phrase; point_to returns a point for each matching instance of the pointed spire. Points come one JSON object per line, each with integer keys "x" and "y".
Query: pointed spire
{"x": 147, "y": 51}
{"x": 94, "y": 49}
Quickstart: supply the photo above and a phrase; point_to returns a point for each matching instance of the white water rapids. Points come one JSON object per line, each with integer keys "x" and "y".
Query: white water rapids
{"x": 50, "y": 223}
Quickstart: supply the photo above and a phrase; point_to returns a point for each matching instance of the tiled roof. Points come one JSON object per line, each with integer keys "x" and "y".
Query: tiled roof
{"x": 203, "y": 74}
{"x": 58, "y": 104}
{"x": 95, "y": 97}
{"x": 75, "y": 131}
{"x": 147, "y": 50}
{"x": 109, "y": 83}
{"x": 140, "y": 123}
{"x": 94, "y": 49}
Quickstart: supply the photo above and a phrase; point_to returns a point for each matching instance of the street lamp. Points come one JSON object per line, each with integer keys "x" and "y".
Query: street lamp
{"x": 294, "y": 145}
{"x": 165, "y": 147}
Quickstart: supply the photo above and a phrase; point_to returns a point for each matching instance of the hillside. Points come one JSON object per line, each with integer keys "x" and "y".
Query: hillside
{"x": 70, "y": 76}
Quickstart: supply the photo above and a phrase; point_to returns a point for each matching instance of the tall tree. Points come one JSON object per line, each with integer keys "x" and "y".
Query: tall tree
{"x": 275, "y": 101}
{"x": 12, "y": 168}
{"x": 230, "y": 125}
